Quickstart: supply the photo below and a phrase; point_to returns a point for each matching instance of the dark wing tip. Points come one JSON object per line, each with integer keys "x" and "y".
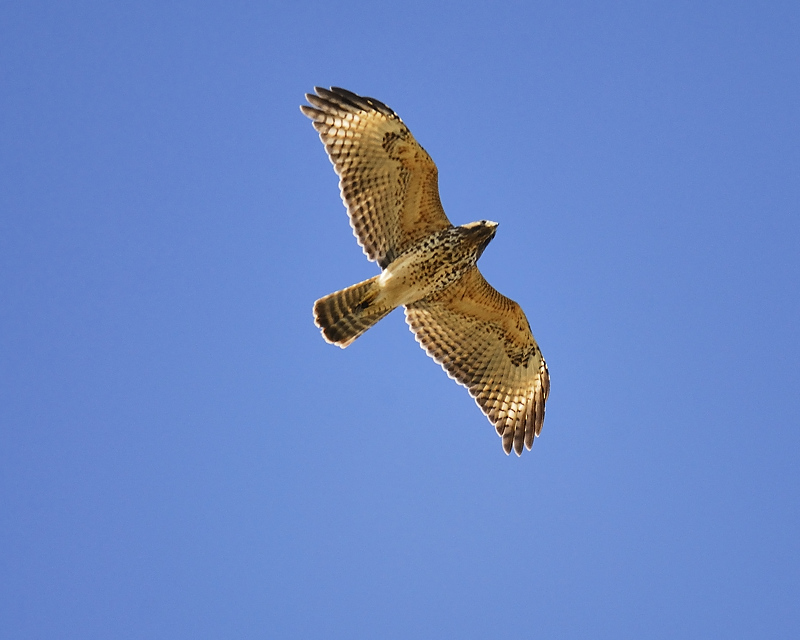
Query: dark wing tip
{"x": 310, "y": 112}
{"x": 337, "y": 97}
{"x": 364, "y": 102}
{"x": 324, "y": 101}
{"x": 519, "y": 439}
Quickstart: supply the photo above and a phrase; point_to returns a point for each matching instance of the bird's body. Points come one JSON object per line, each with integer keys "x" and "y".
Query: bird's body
{"x": 435, "y": 262}
{"x": 390, "y": 187}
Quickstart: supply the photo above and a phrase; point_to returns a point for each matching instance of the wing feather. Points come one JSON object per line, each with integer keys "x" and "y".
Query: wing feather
{"x": 388, "y": 182}
{"x": 483, "y": 341}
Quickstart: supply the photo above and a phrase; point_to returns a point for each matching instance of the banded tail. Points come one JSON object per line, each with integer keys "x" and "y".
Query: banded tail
{"x": 346, "y": 314}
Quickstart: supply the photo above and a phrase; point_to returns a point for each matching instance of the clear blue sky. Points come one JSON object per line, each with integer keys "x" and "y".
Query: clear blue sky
{"x": 183, "y": 456}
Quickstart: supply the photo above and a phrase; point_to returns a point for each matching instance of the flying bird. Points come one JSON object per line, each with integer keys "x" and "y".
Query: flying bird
{"x": 390, "y": 187}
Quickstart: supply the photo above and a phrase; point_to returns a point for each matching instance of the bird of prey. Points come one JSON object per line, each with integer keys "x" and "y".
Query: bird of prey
{"x": 389, "y": 185}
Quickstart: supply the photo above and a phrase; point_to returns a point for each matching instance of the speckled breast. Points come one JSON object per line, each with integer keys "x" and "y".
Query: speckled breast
{"x": 430, "y": 265}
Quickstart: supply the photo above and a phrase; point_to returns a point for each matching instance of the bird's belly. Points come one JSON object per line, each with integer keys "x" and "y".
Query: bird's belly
{"x": 413, "y": 277}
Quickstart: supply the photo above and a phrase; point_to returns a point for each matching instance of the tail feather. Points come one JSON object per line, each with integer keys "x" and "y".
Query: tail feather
{"x": 346, "y": 314}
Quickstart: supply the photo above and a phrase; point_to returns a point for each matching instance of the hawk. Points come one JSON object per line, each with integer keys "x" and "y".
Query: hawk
{"x": 389, "y": 185}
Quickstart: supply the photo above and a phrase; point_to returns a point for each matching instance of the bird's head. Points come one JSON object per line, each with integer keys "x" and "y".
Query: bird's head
{"x": 482, "y": 233}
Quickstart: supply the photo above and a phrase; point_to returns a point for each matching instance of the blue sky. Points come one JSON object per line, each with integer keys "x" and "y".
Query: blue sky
{"x": 183, "y": 456}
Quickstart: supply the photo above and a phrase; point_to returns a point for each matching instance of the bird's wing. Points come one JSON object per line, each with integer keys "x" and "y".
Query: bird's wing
{"x": 388, "y": 182}
{"x": 483, "y": 341}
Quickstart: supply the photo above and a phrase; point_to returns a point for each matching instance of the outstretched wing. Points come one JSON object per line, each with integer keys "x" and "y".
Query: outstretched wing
{"x": 483, "y": 340}
{"x": 389, "y": 183}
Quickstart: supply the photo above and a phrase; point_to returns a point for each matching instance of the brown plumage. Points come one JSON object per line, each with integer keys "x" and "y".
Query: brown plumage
{"x": 389, "y": 185}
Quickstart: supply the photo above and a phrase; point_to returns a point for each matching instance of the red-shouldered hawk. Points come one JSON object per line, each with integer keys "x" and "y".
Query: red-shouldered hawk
{"x": 389, "y": 185}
